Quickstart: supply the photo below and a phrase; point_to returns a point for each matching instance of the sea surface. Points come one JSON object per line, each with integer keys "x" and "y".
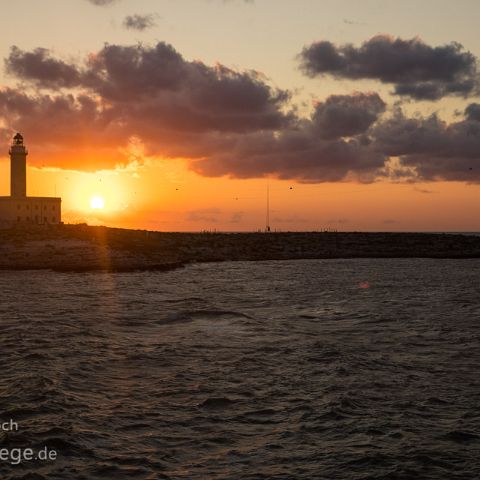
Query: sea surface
{"x": 315, "y": 369}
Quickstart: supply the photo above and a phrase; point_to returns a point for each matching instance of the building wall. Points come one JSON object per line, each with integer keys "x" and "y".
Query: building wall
{"x": 30, "y": 210}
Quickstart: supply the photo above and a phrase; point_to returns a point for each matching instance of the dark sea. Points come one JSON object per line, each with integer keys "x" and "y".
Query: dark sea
{"x": 316, "y": 369}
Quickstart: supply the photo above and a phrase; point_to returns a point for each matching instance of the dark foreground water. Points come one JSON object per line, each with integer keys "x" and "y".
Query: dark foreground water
{"x": 322, "y": 369}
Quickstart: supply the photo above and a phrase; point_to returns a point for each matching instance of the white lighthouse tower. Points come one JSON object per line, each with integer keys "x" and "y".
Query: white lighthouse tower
{"x": 18, "y": 208}
{"x": 18, "y": 167}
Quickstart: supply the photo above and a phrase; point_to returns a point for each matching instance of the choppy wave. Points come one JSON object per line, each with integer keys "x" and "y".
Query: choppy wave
{"x": 328, "y": 369}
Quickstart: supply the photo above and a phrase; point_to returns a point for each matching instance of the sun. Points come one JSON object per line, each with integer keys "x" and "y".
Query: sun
{"x": 97, "y": 202}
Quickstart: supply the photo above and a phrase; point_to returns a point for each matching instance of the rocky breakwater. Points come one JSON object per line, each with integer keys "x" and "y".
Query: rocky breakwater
{"x": 84, "y": 248}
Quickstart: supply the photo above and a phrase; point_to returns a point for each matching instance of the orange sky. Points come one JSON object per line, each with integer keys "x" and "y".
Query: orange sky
{"x": 167, "y": 196}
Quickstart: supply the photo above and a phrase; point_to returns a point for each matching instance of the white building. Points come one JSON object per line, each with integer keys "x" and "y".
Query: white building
{"x": 18, "y": 208}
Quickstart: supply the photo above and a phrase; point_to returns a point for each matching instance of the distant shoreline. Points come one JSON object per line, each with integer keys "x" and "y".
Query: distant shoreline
{"x": 83, "y": 248}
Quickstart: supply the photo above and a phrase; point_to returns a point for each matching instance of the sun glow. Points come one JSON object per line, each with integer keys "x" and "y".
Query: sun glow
{"x": 97, "y": 202}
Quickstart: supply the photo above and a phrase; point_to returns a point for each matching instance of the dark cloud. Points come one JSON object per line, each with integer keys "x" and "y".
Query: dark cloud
{"x": 134, "y": 72}
{"x": 157, "y": 85}
{"x": 40, "y": 67}
{"x": 182, "y": 95}
{"x": 433, "y": 148}
{"x": 293, "y": 154}
{"x": 472, "y": 112}
{"x": 347, "y": 115}
{"x": 414, "y": 68}
{"x": 332, "y": 145}
{"x": 140, "y": 22}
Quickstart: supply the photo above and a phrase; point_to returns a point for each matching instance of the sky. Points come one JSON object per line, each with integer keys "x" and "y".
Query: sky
{"x": 181, "y": 114}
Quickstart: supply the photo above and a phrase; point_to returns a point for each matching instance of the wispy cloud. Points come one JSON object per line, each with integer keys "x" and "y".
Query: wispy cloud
{"x": 424, "y": 190}
{"x": 102, "y": 3}
{"x": 208, "y": 215}
{"x": 140, "y": 22}
{"x": 352, "y": 22}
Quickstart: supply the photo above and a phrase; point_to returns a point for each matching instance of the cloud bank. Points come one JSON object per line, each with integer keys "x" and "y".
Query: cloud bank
{"x": 84, "y": 115}
{"x": 41, "y": 68}
{"x": 176, "y": 107}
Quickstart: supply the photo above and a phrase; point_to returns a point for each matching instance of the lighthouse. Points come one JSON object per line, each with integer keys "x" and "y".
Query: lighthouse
{"x": 18, "y": 208}
{"x": 18, "y": 167}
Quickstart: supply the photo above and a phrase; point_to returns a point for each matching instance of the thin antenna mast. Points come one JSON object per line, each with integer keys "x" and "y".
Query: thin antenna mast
{"x": 267, "y": 228}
